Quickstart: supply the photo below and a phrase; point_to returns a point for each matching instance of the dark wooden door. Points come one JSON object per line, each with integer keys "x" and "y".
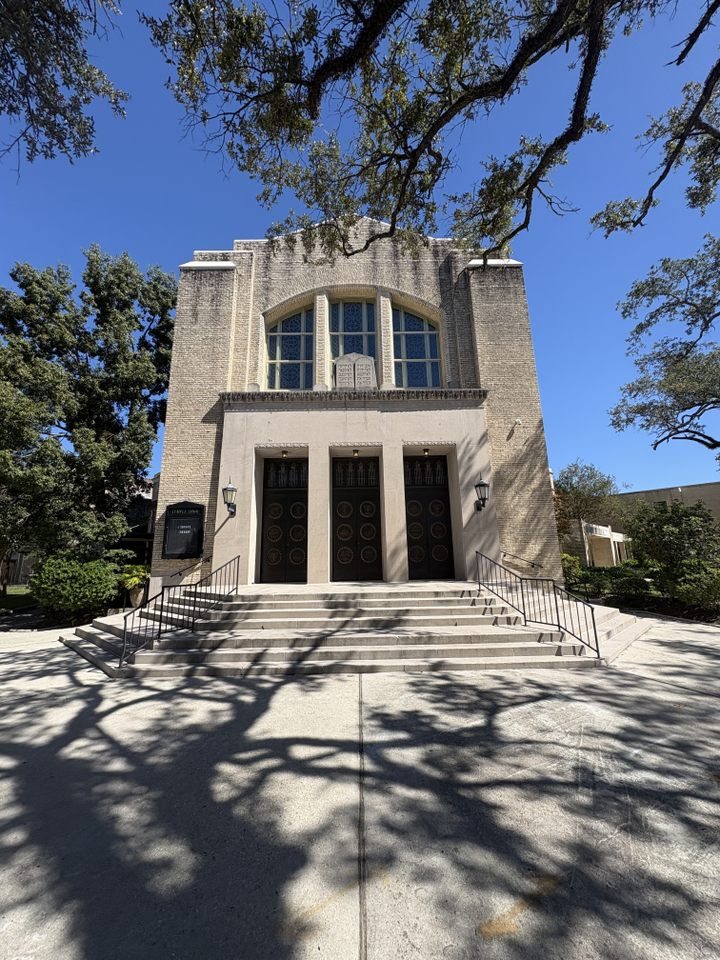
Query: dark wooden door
{"x": 427, "y": 509}
{"x": 356, "y": 540}
{"x": 283, "y": 557}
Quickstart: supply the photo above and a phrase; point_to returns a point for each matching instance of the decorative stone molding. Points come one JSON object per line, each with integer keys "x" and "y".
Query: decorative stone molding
{"x": 331, "y": 398}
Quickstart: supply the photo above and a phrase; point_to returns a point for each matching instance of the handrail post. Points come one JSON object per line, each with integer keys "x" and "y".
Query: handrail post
{"x": 557, "y": 606}
{"x": 523, "y": 607}
{"x": 595, "y": 634}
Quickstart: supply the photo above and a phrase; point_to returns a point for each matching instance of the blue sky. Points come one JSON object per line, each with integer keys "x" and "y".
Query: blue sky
{"x": 151, "y": 190}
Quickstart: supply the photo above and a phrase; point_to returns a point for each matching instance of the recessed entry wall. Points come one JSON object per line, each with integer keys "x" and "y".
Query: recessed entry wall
{"x": 371, "y": 448}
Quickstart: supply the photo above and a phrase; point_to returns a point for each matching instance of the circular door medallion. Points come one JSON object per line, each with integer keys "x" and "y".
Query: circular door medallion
{"x": 274, "y": 533}
{"x": 344, "y": 509}
{"x": 416, "y": 554}
{"x": 368, "y": 531}
{"x": 436, "y": 508}
{"x": 344, "y": 532}
{"x": 440, "y": 553}
{"x": 274, "y": 556}
{"x": 296, "y": 556}
{"x": 367, "y": 509}
{"x": 345, "y": 555}
{"x": 415, "y": 531}
{"x": 368, "y": 554}
{"x": 297, "y": 510}
{"x": 438, "y": 530}
{"x": 297, "y": 533}
{"x": 414, "y": 508}
{"x": 275, "y": 511}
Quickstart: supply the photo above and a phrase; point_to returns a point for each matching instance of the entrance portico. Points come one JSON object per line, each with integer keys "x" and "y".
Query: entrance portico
{"x": 362, "y": 523}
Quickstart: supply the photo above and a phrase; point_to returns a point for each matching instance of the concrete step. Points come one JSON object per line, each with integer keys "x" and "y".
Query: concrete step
{"x": 282, "y": 603}
{"x": 301, "y": 654}
{"x": 258, "y": 639}
{"x": 332, "y": 614}
{"x": 296, "y": 621}
{"x": 95, "y": 654}
{"x": 632, "y": 629}
{"x": 346, "y": 591}
{"x": 309, "y": 667}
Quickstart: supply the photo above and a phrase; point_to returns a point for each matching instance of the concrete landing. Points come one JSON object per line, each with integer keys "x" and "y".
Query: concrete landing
{"x": 441, "y": 816}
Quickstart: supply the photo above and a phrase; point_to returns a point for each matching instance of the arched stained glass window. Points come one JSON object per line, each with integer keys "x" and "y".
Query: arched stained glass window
{"x": 290, "y": 353}
{"x": 416, "y": 348}
{"x": 352, "y": 328}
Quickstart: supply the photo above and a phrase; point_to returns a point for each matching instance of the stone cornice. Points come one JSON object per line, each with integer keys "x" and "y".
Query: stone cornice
{"x": 339, "y": 398}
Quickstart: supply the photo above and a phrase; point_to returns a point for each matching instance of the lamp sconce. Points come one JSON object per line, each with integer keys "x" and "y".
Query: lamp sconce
{"x": 229, "y": 496}
{"x": 482, "y": 492}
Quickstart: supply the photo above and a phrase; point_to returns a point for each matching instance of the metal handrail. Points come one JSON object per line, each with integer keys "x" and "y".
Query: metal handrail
{"x": 166, "y": 610}
{"x": 532, "y": 563}
{"x": 540, "y": 600}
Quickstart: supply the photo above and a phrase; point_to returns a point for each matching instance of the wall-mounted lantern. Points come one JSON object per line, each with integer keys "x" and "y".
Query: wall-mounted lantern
{"x": 229, "y": 497}
{"x": 482, "y": 491}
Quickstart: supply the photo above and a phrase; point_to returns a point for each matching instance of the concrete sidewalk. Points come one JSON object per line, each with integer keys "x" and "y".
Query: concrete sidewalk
{"x": 459, "y": 816}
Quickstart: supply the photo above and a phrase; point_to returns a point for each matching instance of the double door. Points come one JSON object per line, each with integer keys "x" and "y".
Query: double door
{"x": 356, "y": 538}
{"x": 427, "y": 509}
{"x": 283, "y": 557}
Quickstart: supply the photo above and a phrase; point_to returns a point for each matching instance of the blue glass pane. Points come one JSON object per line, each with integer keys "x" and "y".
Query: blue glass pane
{"x": 435, "y": 374}
{"x": 415, "y": 346}
{"x": 413, "y": 323}
{"x": 370, "y": 347}
{"x": 397, "y": 345}
{"x": 370, "y": 314}
{"x": 290, "y": 376}
{"x": 291, "y": 325}
{"x": 353, "y": 344}
{"x": 352, "y": 317}
{"x": 334, "y": 317}
{"x": 417, "y": 374}
{"x": 308, "y": 376}
{"x": 272, "y": 347}
{"x": 398, "y": 374}
{"x": 271, "y": 376}
{"x": 308, "y": 355}
{"x": 334, "y": 346}
{"x": 308, "y": 324}
{"x": 433, "y": 339}
{"x": 396, "y": 320}
{"x": 290, "y": 348}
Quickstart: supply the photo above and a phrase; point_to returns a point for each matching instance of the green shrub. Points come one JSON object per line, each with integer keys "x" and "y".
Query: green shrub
{"x": 572, "y": 569}
{"x": 630, "y": 585}
{"x": 72, "y": 591}
{"x": 699, "y": 585}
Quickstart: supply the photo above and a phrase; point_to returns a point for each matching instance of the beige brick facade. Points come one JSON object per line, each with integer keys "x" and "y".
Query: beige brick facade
{"x": 228, "y": 299}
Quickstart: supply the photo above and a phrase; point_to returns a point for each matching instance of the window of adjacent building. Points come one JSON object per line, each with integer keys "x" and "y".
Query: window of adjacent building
{"x": 417, "y": 356}
{"x": 290, "y": 353}
{"x": 352, "y": 328}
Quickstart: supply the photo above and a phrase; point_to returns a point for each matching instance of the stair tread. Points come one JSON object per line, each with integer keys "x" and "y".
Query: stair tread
{"x": 374, "y": 665}
{"x": 253, "y": 651}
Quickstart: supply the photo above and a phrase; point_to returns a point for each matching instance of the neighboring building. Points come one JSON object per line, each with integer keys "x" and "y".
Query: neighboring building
{"x": 354, "y": 405}
{"x": 598, "y": 545}
{"x": 707, "y": 493}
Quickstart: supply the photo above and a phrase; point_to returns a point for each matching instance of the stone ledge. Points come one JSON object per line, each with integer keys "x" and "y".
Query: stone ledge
{"x": 330, "y": 398}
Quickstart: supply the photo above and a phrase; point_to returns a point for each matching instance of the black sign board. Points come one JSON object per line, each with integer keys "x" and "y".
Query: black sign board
{"x": 184, "y": 524}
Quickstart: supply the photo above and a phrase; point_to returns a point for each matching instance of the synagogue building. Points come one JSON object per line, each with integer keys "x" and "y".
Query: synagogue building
{"x": 376, "y": 418}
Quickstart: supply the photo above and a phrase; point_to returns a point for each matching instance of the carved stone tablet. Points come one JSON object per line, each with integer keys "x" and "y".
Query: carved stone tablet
{"x": 355, "y": 371}
{"x": 345, "y": 372}
{"x": 365, "y": 376}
